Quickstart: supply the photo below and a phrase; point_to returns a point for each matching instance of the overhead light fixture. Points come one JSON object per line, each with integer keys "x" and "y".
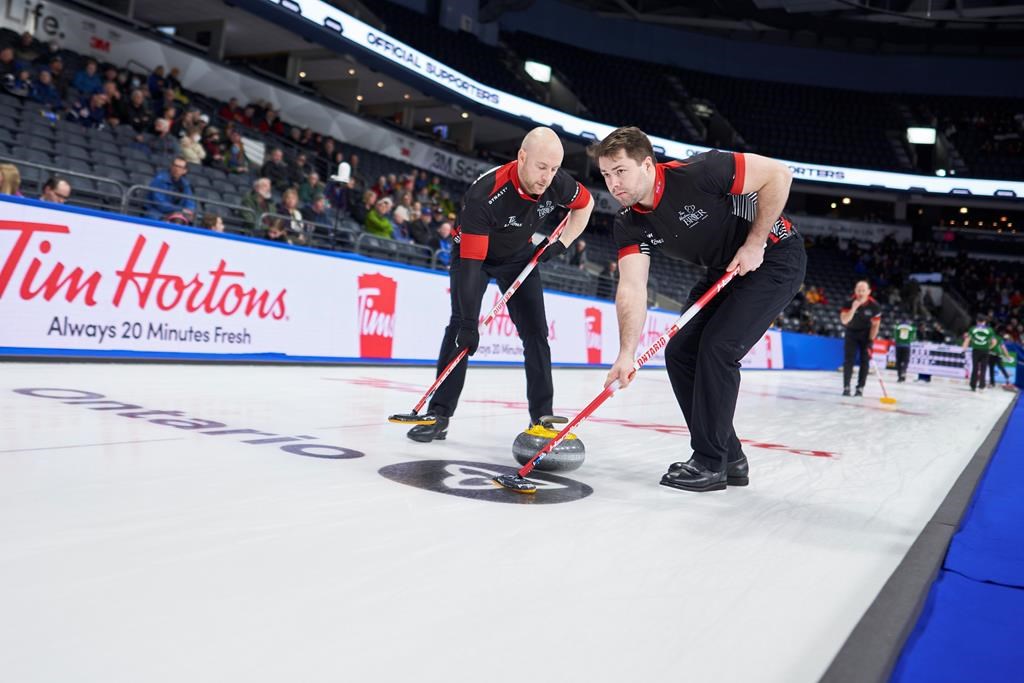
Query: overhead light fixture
{"x": 426, "y": 119}
{"x": 941, "y": 172}
{"x": 538, "y": 71}
{"x": 834, "y": 205}
{"x": 465, "y": 114}
{"x": 351, "y": 72}
{"x": 302, "y": 74}
{"x": 920, "y": 136}
{"x": 359, "y": 98}
{"x": 963, "y": 209}
{"x": 407, "y": 96}
{"x": 380, "y": 84}
{"x": 846, "y": 200}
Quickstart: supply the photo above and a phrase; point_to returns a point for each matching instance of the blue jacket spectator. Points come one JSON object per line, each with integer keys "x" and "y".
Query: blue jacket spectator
{"x": 91, "y": 112}
{"x": 88, "y": 81}
{"x": 45, "y": 93}
{"x": 163, "y": 206}
{"x": 156, "y": 84}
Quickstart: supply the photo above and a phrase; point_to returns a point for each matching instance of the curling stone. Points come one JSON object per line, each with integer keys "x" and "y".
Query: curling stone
{"x": 566, "y": 457}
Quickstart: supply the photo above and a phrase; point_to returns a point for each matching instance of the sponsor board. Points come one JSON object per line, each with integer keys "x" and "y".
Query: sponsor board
{"x": 81, "y": 281}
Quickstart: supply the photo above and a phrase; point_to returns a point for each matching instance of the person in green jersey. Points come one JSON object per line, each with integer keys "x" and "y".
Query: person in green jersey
{"x": 982, "y": 340}
{"x": 904, "y": 334}
{"x": 997, "y": 358}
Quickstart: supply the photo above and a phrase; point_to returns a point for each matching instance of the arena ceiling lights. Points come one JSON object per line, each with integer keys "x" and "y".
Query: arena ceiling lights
{"x": 537, "y": 71}
{"x": 349, "y": 32}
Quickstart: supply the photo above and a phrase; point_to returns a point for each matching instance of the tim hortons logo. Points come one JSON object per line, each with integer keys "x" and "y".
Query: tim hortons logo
{"x": 376, "y": 295}
{"x": 144, "y": 280}
{"x": 592, "y": 317}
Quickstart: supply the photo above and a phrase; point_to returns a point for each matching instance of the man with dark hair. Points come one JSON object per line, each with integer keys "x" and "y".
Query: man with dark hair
{"x": 982, "y": 340}
{"x": 179, "y": 205}
{"x": 500, "y": 212}
{"x": 862, "y": 319}
{"x": 722, "y": 211}
{"x": 55, "y": 190}
{"x": 276, "y": 169}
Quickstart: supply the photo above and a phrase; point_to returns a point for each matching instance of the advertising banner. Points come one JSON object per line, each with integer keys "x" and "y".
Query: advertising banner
{"x": 73, "y": 280}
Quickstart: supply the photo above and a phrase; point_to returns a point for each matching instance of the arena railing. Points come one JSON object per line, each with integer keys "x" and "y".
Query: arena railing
{"x": 238, "y": 219}
{"x": 94, "y": 198}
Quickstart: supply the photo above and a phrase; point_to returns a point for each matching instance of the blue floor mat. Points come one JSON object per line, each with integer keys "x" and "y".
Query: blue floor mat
{"x": 990, "y": 543}
{"x": 969, "y": 632}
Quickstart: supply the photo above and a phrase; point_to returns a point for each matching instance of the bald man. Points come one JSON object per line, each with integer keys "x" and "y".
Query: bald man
{"x": 499, "y": 215}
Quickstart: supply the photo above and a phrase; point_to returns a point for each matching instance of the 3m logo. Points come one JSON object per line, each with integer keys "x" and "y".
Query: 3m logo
{"x": 376, "y": 309}
{"x": 592, "y": 318}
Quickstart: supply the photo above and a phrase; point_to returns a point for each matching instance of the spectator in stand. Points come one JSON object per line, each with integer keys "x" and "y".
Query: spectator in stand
{"x": 163, "y": 143}
{"x": 377, "y": 222}
{"x": 248, "y": 116}
{"x": 165, "y": 206}
{"x": 56, "y": 190}
{"x": 214, "y": 222}
{"x": 421, "y": 182}
{"x": 311, "y": 187}
{"x": 45, "y": 92}
{"x": 289, "y": 208}
{"x": 326, "y": 157}
{"x": 235, "y": 160}
{"x": 276, "y": 169}
{"x": 88, "y": 81}
{"x": 8, "y": 65}
{"x": 166, "y": 106}
{"x": 21, "y": 85}
{"x": 156, "y": 84}
{"x": 444, "y": 244}
{"x": 419, "y": 231}
{"x": 276, "y": 233}
{"x": 138, "y": 115}
{"x": 271, "y": 123}
{"x": 173, "y": 84}
{"x": 258, "y": 200}
{"x": 608, "y": 280}
{"x": 59, "y": 75}
{"x": 316, "y": 211}
{"x": 10, "y": 180}
{"x": 400, "y": 224}
{"x": 114, "y": 110}
{"x": 192, "y": 147}
{"x": 90, "y": 111}
{"x": 28, "y": 49}
{"x": 306, "y": 138}
{"x": 298, "y": 168}
{"x": 356, "y": 170}
{"x": 213, "y": 146}
{"x": 811, "y": 296}
{"x": 361, "y": 210}
{"x": 230, "y": 111}
{"x": 577, "y": 258}
{"x": 382, "y": 188}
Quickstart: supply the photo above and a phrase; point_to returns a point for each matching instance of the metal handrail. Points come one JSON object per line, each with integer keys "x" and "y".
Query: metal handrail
{"x": 67, "y": 175}
{"x": 408, "y": 247}
{"x": 129, "y": 196}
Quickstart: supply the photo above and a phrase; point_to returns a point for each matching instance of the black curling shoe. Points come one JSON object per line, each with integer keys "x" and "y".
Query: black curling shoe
{"x": 737, "y": 472}
{"x": 692, "y": 476}
{"x": 427, "y": 433}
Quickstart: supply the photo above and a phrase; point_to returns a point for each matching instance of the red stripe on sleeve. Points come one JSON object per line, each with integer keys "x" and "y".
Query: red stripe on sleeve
{"x": 741, "y": 172}
{"x": 631, "y": 249}
{"x": 473, "y": 246}
{"x": 582, "y": 198}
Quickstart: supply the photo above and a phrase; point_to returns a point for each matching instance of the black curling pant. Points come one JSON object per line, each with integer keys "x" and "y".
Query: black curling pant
{"x": 526, "y": 309}
{"x": 902, "y": 361}
{"x": 703, "y": 359}
{"x": 856, "y": 344}
{"x": 979, "y": 358}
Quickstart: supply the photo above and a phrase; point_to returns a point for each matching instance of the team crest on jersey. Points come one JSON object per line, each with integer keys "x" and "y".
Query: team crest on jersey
{"x": 512, "y": 223}
{"x": 543, "y": 211}
{"x": 691, "y": 215}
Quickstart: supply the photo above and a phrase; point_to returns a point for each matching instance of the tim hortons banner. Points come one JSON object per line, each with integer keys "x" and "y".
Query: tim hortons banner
{"x": 78, "y": 282}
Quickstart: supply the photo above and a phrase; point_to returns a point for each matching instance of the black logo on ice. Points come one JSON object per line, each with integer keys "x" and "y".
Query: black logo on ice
{"x": 473, "y": 480}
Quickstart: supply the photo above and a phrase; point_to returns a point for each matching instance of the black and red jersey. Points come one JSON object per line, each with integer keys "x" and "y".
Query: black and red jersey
{"x": 699, "y": 214}
{"x": 498, "y": 218}
{"x": 867, "y": 313}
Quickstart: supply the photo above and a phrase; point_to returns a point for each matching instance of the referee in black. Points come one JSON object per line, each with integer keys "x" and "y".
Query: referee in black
{"x": 722, "y": 211}
{"x": 500, "y": 212}
{"x": 862, "y": 319}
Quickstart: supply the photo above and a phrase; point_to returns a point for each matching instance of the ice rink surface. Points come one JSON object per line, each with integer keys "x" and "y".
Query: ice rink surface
{"x": 138, "y": 544}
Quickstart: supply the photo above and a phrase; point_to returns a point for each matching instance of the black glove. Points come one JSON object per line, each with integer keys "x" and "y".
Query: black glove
{"x": 554, "y": 251}
{"x": 468, "y": 337}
